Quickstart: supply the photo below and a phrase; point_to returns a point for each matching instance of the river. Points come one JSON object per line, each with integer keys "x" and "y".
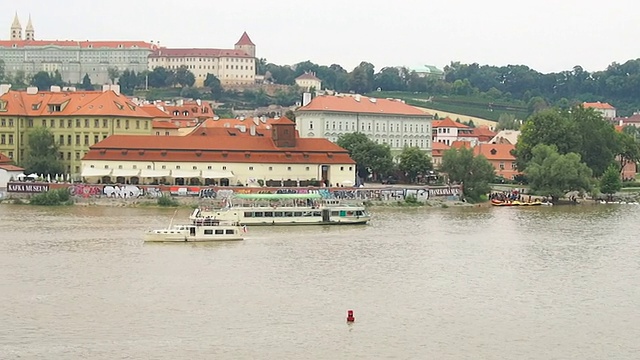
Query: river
{"x": 458, "y": 283}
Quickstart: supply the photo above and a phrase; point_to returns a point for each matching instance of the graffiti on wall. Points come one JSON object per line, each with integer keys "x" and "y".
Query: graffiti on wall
{"x": 85, "y": 191}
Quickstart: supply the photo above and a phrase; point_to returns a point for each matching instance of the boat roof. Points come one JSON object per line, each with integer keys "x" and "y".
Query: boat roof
{"x": 277, "y": 196}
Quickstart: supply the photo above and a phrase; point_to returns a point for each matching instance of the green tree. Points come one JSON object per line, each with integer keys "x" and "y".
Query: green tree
{"x": 414, "y": 162}
{"x": 508, "y": 122}
{"x": 128, "y": 82}
{"x": 19, "y": 78}
{"x": 547, "y": 127}
{"x": 628, "y": 149}
{"x": 610, "y": 182}
{"x": 161, "y": 77}
{"x": 42, "y": 80}
{"x": 475, "y": 173}
{"x": 598, "y": 144}
{"x": 361, "y": 78}
{"x": 86, "y": 83}
{"x": 550, "y": 173}
{"x": 289, "y": 114}
{"x": 113, "y": 74}
{"x": 42, "y": 153}
{"x": 190, "y": 92}
{"x": 2, "y": 68}
{"x": 56, "y": 79}
{"x": 184, "y": 77}
{"x": 367, "y": 154}
{"x": 213, "y": 83}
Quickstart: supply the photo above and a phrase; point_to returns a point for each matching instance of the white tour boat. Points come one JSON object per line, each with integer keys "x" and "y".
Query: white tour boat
{"x": 286, "y": 209}
{"x": 200, "y": 230}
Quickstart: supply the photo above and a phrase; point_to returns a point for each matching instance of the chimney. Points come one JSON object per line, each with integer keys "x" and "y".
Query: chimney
{"x": 4, "y": 88}
{"x": 306, "y": 99}
{"x": 32, "y": 90}
{"x": 621, "y": 122}
{"x": 252, "y": 130}
{"x": 54, "y": 88}
{"x": 357, "y": 97}
{"x": 180, "y": 102}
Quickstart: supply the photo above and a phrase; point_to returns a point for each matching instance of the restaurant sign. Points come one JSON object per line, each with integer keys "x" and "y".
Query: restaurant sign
{"x": 27, "y": 188}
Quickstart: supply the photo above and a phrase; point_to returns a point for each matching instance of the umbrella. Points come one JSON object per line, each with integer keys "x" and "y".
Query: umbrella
{"x": 347, "y": 183}
{"x": 48, "y": 177}
{"x": 21, "y": 176}
{"x": 33, "y": 176}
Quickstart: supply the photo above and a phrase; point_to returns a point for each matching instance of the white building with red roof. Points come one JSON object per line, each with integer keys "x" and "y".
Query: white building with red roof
{"x": 606, "y": 109}
{"x": 308, "y": 81}
{"x": 72, "y": 59}
{"x": 230, "y": 66}
{"x": 222, "y": 156}
{"x": 385, "y": 121}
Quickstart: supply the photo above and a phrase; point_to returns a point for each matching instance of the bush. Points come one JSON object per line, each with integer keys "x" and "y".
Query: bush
{"x": 52, "y": 198}
{"x": 167, "y": 201}
{"x": 630, "y": 184}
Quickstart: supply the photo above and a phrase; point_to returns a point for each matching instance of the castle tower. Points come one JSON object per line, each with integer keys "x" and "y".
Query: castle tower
{"x": 29, "y": 33}
{"x": 245, "y": 44}
{"x": 16, "y": 29}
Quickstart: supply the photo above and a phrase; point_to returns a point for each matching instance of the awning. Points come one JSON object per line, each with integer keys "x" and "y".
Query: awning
{"x": 148, "y": 173}
{"x": 185, "y": 174}
{"x": 215, "y": 174}
{"x": 95, "y": 172}
{"x": 125, "y": 172}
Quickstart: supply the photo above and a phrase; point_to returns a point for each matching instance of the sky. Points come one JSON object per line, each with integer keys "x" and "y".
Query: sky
{"x": 546, "y": 35}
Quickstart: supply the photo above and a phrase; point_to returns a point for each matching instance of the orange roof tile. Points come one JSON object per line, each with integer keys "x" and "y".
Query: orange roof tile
{"x": 367, "y": 105}
{"x": 598, "y": 105}
{"x": 216, "y": 149}
{"x": 307, "y": 76}
{"x": 155, "y": 111}
{"x": 164, "y": 124}
{"x": 71, "y": 103}
{"x": 495, "y": 151}
{"x": 4, "y": 159}
{"x": 245, "y": 40}
{"x": 9, "y": 167}
{"x": 461, "y": 144}
{"x": 215, "y": 53}
{"x": 448, "y": 123}
{"x": 77, "y": 44}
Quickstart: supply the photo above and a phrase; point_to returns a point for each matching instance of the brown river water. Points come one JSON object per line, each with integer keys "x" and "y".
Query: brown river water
{"x": 458, "y": 283}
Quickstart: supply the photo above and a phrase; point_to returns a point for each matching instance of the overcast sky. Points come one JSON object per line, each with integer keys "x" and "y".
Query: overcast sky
{"x": 547, "y": 35}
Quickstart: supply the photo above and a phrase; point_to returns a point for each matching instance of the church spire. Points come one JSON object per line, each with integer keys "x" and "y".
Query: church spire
{"x": 29, "y": 33}
{"x": 16, "y": 29}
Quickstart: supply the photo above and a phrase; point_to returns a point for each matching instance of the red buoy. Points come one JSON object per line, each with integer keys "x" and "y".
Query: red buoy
{"x": 350, "y": 317}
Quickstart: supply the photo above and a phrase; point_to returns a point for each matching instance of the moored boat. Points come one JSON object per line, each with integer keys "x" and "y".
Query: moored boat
{"x": 495, "y": 202}
{"x": 199, "y": 230}
{"x": 286, "y": 209}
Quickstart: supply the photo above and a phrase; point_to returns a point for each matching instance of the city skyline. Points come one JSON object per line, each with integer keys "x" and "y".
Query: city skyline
{"x": 493, "y": 32}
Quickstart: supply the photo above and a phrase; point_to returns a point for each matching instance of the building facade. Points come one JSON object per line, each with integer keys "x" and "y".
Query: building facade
{"x": 77, "y": 120}
{"x": 385, "y": 121}
{"x": 606, "y": 109}
{"x": 230, "y": 66}
{"x": 72, "y": 59}
{"x": 499, "y": 155}
{"x": 220, "y": 156}
{"x": 309, "y": 81}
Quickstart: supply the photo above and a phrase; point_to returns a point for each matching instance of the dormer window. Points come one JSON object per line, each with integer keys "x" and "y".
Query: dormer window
{"x": 55, "y": 107}
{"x": 494, "y": 151}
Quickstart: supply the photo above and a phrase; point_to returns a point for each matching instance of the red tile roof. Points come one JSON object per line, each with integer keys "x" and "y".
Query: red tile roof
{"x": 9, "y": 167}
{"x": 4, "y": 159}
{"x": 495, "y": 151}
{"x": 482, "y": 133}
{"x": 77, "y": 44}
{"x": 438, "y": 148}
{"x": 307, "y": 76}
{"x": 447, "y": 123}
{"x": 155, "y": 112}
{"x": 598, "y": 105}
{"x": 350, "y": 104}
{"x": 216, "y": 149}
{"x": 215, "y": 53}
{"x": 461, "y": 144}
{"x": 164, "y": 124}
{"x": 74, "y": 103}
{"x": 245, "y": 40}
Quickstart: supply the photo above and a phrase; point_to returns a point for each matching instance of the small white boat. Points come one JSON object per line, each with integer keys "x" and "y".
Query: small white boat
{"x": 200, "y": 230}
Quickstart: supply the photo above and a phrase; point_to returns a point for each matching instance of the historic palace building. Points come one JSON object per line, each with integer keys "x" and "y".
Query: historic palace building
{"x": 231, "y": 66}
{"x": 269, "y": 154}
{"x": 77, "y": 120}
{"x": 72, "y": 59}
{"x": 385, "y": 121}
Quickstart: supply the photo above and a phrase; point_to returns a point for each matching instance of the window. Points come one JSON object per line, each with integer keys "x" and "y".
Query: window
{"x": 69, "y": 123}
{"x": 126, "y": 124}
{"x": 166, "y": 133}
{"x": 77, "y": 155}
{"x": 251, "y": 168}
{"x": 146, "y": 125}
{"x": 96, "y": 123}
{"x": 501, "y": 166}
{"x": 310, "y": 125}
{"x": 96, "y": 138}
{"x": 118, "y": 123}
{"x": 86, "y": 123}
{"x": 270, "y": 167}
{"x": 69, "y": 140}
{"x": 86, "y": 139}
{"x": 77, "y": 123}
{"x": 195, "y": 168}
{"x": 10, "y": 154}
{"x": 341, "y": 168}
{"x": 3, "y": 122}
{"x": 158, "y": 133}
{"x": 177, "y": 167}
{"x": 61, "y": 140}
{"x": 53, "y": 123}
{"x": 307, "y": 168}
{"x": 105, "y": 123}
{"x": 10, "y": 122}
{"x": 3, "y": 139}
{"x": 350, "y": 168}
{"x": 77, "y": 139}
{"x": 164, "y": 167}
{"x": 137, "y": 124}
{"x": 224, "y": 168}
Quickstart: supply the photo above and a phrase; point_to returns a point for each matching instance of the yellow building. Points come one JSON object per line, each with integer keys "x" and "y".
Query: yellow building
{"x": 230, "y": 66}
{"x": 77, "y": 120}
{"x": 275, "y": 156}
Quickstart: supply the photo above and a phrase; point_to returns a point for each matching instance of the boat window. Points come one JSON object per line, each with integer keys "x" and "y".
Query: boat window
{"x": 358, "y": 213}
{"x": 343, "y": 213}
{"x": 248, "y": 214}
{"x": 308, "y": 213}
{"x": 349, "y": 213}
{"x": 219, "y": 232}
{"x": 258, "y": 214}
{"x": 278, "y": 214}
{"x": 288, "y": 214}
{"x": 297, "y": 213}
{"x": 335, "y": 213}
{"x": 268, "y": 214}
{"x": 229, "y": 231}
{"x": 317, "y": 213}
{"x": 208, "y": 232}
